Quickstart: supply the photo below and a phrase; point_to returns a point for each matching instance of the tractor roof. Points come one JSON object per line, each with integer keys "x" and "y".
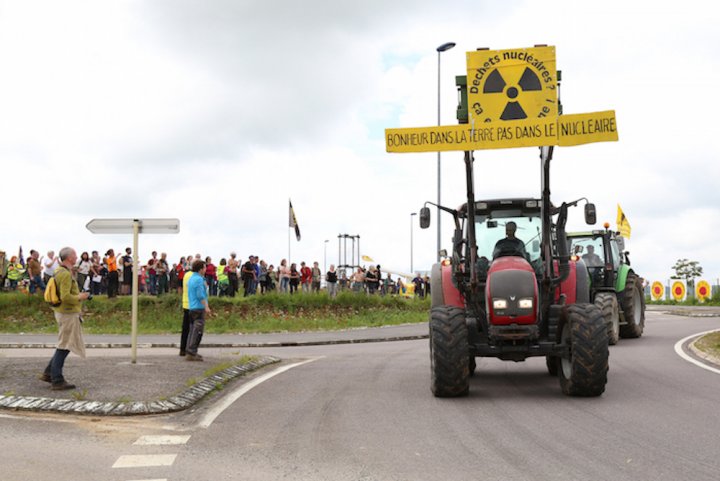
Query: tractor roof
{"x": 528, "y": 206}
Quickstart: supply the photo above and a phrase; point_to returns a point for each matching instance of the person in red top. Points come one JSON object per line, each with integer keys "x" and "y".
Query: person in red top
{"x": 180, "y": 271}
{"x": 152, "y": 273}
{"x": 211, "y": 276}
{"x": 305, "y": 277}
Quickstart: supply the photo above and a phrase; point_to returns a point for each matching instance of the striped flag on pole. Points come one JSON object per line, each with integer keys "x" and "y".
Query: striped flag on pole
{"x": 293, "y": 221}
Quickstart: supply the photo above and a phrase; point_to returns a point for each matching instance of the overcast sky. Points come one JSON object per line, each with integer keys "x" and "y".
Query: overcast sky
{"x": 217, "y": 112}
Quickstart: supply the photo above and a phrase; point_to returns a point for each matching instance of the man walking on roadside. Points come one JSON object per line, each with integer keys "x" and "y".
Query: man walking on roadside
{"x": 199, "y": 309}
{"x": 67, "y": 315}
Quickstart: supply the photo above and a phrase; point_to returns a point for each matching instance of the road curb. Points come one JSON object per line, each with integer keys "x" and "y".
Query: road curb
{"x": 714, "y": 361}
{"x": 125, "y": 345}
{"x": 178, "y": 402}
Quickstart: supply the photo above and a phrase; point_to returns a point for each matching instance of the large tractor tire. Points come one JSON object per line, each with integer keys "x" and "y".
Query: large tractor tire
{"x": 633, "y": 306}
{"x": 608, "y": 304}
{"x": 583, "y": 372}
{"x": 449, "y": 352}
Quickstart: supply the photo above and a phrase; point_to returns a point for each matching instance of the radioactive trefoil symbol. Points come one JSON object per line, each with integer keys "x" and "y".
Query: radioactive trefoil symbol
{"x": 495, "y": 84}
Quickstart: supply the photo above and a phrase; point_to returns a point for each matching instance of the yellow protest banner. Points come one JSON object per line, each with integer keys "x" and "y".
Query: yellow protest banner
{"x": 512, "y": 102}
{"x": 565, "y": 130}
{"x": 513, "y": 84}
{"x": 496, "y": 135}
{"x": 577, "y": 129}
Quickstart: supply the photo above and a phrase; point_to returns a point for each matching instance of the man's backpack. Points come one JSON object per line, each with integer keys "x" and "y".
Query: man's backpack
{"x": 52, "y": 293}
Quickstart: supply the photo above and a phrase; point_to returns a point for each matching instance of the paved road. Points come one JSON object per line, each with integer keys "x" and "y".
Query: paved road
{"x": 365, "y": 412}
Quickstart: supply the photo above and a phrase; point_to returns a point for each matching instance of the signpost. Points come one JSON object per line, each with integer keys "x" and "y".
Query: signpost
{"x": 134, "y": 227}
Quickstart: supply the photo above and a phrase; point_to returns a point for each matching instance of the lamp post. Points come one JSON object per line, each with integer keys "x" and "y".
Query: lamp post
{"x": 442, "y": 48}
{"x": 411, "y": 241}
{"x": 325, "y": 258}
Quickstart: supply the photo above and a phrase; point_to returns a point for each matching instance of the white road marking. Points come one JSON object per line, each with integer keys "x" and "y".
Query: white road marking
{"x": 144, "y": 460}
{"x": 684, "y": 355}
{"x": 161, "y": 440}
{"x": 213, "y": 413}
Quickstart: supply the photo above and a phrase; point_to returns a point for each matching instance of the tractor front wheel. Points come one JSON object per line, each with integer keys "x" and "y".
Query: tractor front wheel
{"x": 583, "y": 371}
{"x": 449, "y": 352}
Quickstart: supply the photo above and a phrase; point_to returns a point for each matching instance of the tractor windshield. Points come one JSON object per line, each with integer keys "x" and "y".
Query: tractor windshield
{"x": 591, "y": 250}
{"x": 491, "y": 227}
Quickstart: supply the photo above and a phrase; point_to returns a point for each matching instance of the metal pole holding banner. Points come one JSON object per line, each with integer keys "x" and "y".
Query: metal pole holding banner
{"x": 134, "y": 227}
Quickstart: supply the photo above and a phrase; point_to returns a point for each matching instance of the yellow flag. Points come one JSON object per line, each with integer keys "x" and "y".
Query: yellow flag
{"x": 622, "y": 223}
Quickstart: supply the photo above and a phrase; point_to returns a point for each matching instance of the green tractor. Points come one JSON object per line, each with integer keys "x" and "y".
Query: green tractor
{"x": 614, "y": 286}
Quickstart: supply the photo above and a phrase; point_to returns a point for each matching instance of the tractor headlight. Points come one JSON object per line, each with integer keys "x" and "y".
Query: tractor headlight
{"x": 499, "y": 303}
{"x": 526, "y": 303}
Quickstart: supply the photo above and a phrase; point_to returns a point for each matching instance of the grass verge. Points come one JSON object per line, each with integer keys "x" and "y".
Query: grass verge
{"x": 255, "y": 314}
{"x": 709, "y": 344}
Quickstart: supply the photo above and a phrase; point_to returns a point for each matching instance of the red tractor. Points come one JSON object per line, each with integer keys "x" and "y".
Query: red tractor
{"x": 511, "y": 291}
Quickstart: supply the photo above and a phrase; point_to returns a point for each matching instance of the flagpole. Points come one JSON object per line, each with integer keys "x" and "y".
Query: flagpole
{"x": 289, "y": 246}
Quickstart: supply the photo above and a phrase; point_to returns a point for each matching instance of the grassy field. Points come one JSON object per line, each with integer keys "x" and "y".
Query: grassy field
{"x": 255, "y": 314}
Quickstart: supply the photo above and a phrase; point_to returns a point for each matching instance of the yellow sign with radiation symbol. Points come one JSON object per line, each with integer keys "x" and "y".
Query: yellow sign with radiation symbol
{"x": 702, "y": 291}
{"x": 657, "y": 290}
{"x": 678, "y": 290}
{"x": 515, "y": 84}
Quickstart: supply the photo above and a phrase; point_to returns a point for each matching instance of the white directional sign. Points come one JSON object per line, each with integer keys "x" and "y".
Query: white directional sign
{"x": 134, "y": 227}
{"x": 126, "y": 226}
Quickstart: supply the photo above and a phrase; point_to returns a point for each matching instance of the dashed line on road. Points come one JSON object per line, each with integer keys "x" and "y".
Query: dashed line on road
{"x": 161, "y": 440}
{"x": 225, "y": 403}
{"x": 144, "y": 460}
{"x": 681, "y": 352}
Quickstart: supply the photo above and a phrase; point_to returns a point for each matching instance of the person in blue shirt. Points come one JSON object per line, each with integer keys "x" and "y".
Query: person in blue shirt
{"x": 199, "y": 309}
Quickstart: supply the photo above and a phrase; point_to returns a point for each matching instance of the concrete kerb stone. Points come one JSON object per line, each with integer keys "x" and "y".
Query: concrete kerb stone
{"x": 178, "y": 402}
{"x": 704, "y": 356}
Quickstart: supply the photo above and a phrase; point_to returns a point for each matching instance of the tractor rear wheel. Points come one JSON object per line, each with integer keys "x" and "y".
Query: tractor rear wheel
{"x": 633, "y": 306}
{"x": 608, "y": 305}
{"x": 583, "y": 372}
{"x": 449, "y": 352}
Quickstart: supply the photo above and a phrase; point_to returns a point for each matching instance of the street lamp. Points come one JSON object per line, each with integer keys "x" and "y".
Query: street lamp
{"x": 442, "y": 48}
{"x": 325, "y": 258}
{"x": 411, "y": 241}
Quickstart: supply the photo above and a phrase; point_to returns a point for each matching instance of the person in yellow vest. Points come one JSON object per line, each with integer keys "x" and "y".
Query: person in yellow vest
{"x": 67, "y": 315}
{"x": 222, "y": 278}
{"x": 15, "y": 273}
{"x": 186, "y": 313}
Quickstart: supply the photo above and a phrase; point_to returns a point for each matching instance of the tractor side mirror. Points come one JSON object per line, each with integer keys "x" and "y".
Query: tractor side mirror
{"x": 536, "y": 246}
{"x": 590, "y": 214}
{"x": 425, "y": 217}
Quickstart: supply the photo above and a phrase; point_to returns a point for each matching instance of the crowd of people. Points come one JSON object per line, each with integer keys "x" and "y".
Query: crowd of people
{"x": 112, "y": 274}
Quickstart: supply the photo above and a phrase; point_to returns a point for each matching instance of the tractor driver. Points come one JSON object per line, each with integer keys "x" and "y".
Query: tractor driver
{"x": 510, "y": 245}
{"x": 591, "y": 259}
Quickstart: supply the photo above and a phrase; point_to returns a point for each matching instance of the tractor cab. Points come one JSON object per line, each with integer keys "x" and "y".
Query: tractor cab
{"x": 507, "y": 228}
